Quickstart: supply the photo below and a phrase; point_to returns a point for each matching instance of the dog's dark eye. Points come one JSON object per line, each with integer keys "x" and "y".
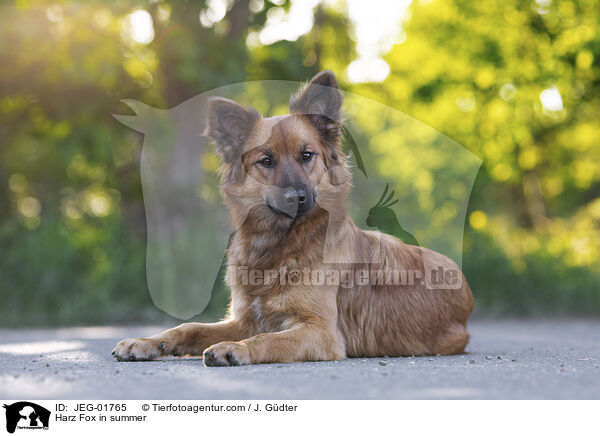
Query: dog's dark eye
{"x": 307, "y": 155}
{"x": 266, "y": 162}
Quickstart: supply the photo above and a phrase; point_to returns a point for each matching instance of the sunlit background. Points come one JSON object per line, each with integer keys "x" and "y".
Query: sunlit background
{"x": 515, "y": 82}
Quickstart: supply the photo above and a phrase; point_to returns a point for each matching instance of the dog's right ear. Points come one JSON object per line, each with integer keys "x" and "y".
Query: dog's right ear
{"x": 229, "y": 125}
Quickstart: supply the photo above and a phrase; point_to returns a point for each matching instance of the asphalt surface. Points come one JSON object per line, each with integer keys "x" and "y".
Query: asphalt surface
{"x": 506, "y": 360}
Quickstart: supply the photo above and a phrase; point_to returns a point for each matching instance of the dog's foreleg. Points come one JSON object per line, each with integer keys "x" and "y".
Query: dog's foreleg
{"x": 301, "y": 343}
{"x": 186, "y": 339}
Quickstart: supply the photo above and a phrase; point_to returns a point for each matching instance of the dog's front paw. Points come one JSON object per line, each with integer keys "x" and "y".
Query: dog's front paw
{"x": 132, "y": 349}
{"x": 227, "y": 354}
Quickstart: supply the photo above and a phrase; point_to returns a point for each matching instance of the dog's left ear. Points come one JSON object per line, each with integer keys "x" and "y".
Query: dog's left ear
{"x": 321, "y": 102}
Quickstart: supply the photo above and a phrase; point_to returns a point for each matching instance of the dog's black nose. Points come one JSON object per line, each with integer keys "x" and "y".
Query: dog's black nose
{"x": 293, "y": 196}
{"x": 292, "y": 201}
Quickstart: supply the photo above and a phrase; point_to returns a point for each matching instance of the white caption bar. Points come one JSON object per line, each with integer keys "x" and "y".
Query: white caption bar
{"x": 301, "y": 417}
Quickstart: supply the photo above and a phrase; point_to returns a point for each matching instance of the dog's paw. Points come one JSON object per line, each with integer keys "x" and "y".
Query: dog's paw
{"x": 134, "y": 349}
{"x": 227, "y": 354}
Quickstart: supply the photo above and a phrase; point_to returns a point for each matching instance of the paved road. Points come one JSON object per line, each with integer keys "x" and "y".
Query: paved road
{"x": 506, "y": 359}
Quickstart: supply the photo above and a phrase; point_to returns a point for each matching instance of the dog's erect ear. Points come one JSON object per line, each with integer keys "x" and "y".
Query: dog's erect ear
{"x": 229, "y": 125}
{"x": 321, "y": 102}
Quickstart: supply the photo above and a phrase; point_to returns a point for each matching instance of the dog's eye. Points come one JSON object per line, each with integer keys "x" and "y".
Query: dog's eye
{"x": 266, "y": 162}
{"x": 307, "y": 155}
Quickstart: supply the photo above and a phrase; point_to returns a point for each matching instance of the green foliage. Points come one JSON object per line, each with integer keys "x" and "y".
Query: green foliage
{"x": 479, "y": 72}
{"x": 72, "y": 225}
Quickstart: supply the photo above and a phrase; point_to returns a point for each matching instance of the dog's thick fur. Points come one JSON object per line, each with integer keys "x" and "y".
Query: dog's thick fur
{"x": 273, "y": 321}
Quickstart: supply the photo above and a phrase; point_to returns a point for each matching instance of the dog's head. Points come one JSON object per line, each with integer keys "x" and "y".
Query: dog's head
{"x": 281, "y": 169}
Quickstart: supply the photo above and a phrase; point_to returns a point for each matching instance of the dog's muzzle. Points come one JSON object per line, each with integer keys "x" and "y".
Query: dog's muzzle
{"x": 290, "y": 201}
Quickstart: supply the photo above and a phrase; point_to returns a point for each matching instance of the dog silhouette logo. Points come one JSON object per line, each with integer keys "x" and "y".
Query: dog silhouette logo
{"x": 26, "y": 415}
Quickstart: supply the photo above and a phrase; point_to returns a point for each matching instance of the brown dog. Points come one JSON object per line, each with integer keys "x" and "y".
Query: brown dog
{"x": 285, "y": 183}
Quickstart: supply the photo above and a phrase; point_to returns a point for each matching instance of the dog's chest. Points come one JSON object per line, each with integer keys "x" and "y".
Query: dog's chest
{"x": 272, "y": 313}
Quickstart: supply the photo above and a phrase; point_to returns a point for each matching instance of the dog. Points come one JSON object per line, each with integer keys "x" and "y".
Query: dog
{"x": 285, "y": 181}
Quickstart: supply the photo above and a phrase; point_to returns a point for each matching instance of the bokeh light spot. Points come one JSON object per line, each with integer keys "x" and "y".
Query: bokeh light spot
{"x": 140, "y": 27}
{"x": 551, "y": 99}
{"x": 478, "y": 220}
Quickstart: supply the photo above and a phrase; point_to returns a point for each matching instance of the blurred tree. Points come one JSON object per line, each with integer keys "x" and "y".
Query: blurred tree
{"x": 73, "y": 216}
{"x": 507, "y": 79}
{"x": 517, "y": 83}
